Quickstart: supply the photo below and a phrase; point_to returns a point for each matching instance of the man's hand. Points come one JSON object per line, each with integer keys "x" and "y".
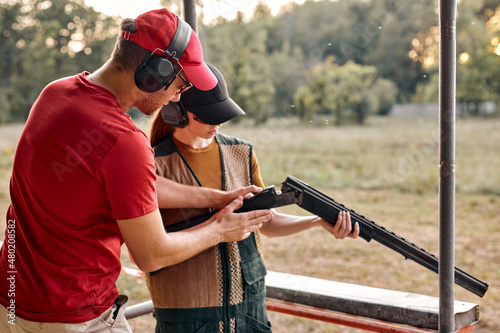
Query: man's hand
{"x": 232, "y": 227}
{"x": 343, "y": 227}
{"x": 222, "y": 199}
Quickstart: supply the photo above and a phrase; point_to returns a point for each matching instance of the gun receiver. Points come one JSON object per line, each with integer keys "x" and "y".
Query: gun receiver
{"x": 325, "y": 207}
{"x": 268, "y": 198}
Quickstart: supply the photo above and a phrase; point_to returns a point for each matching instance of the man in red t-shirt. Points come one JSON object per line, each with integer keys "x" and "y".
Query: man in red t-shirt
{"x": 83, "y": 182}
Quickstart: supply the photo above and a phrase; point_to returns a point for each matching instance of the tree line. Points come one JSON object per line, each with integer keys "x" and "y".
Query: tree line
{"x": 346, "y": 59}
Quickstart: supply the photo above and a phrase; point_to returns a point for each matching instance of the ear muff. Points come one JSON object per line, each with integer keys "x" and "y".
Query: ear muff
{"x": 174, "y": 114}
{"x": 154, "y": 73}
{"x": 157, "y": 71}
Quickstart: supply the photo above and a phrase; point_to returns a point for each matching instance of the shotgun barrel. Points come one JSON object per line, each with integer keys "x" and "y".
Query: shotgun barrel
{"x": 325, "y": 207}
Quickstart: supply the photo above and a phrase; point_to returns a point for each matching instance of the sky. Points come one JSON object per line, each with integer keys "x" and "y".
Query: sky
{"x": 211, "y": 8}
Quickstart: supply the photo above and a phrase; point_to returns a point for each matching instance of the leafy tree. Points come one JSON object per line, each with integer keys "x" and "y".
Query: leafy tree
{"x": 238, "y": 51}
{"x": 377, "y": 33}
{"x": 306, "y": 102}
{"x": 382, "y": 96}
{"x": 342, "y": 90}
{"x": 396, "y": 25}
{"x": 46, "y": 40}
{"x": 287, "y": 74}
{"x": 428, "y": 91}
{"x": 269, "y": 61}
{"x": 478, "y": 68}
{"x": 317, "y": 27}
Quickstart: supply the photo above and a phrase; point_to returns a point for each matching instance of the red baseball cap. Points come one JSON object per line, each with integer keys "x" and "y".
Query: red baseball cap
{"x": 155, "y": 31}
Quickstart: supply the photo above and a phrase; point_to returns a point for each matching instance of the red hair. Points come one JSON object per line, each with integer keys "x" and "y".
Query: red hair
{"x": 160, "y": 130}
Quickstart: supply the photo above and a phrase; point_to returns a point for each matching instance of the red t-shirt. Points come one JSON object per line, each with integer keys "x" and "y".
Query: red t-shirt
{"x": 80, "y": 164}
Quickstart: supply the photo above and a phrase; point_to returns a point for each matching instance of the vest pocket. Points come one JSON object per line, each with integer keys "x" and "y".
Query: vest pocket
{"x": 253, "y": 269}
{"x": 254, "y": 272}
{"x": 254, "y": 316}
{"x": 248, "y": 324}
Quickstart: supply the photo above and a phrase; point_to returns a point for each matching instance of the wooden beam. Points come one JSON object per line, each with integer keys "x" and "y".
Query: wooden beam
{"x": 381, "y": 304}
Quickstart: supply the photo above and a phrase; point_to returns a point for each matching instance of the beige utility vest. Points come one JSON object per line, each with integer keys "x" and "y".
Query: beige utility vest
{"x": 200, "y": 282}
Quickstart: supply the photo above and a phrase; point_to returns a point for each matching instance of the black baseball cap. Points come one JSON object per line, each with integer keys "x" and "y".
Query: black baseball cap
{"x": 213, "y": 106}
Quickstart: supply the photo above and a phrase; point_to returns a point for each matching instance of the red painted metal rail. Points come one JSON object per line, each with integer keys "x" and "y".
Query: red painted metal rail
{"x": 343, "y": 319}
{"x": 309, "y": 312}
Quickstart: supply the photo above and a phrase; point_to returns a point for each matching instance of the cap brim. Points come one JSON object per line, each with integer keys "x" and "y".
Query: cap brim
{"x": 218, "y": 112}
{"x": 200, "y": 76}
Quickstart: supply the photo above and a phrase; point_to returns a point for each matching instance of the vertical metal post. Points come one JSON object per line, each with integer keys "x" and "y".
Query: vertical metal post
{"x": 447, "y": 88}
{"x": 190, "y": 14}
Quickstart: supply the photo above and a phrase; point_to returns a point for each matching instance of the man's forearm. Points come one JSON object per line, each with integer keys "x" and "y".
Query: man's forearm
{"x": 152, "y": 248}
{"x": 175, "y": 195}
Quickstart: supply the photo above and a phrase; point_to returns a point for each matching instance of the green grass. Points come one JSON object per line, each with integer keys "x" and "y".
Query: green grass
{"x": 388, "y": 171}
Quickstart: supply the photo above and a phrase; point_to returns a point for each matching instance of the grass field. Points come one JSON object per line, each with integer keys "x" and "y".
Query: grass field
{"x": 387, "y": 171}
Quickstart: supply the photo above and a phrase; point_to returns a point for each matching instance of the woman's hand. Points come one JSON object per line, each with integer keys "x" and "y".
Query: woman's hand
{"x": 343, "y": 226}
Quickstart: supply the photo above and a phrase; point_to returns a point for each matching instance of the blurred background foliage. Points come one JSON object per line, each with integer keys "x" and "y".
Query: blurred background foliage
{"x": 347, "y": 59}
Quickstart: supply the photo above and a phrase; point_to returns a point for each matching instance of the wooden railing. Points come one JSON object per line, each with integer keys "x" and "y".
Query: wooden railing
{"x": 362, "y": 307}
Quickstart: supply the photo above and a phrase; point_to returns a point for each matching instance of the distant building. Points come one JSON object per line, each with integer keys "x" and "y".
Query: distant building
{"x": 415, "y": 110}
{"x": 432, "y": 109}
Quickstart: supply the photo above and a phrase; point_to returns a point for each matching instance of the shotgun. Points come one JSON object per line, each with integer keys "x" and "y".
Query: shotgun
{"x": 295, "y": 191}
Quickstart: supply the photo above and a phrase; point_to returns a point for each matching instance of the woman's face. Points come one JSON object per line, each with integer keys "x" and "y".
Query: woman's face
{"x": 200, "y": 129}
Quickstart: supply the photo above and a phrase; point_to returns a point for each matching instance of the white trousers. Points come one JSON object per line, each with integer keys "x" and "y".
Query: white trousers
{"x": 111, "y": 321}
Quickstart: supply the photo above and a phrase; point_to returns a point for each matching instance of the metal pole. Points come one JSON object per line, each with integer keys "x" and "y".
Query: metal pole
{"x": 139, "y": 309}
{"x": 447, "y": 88}
{"x": 190, "y": 14}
